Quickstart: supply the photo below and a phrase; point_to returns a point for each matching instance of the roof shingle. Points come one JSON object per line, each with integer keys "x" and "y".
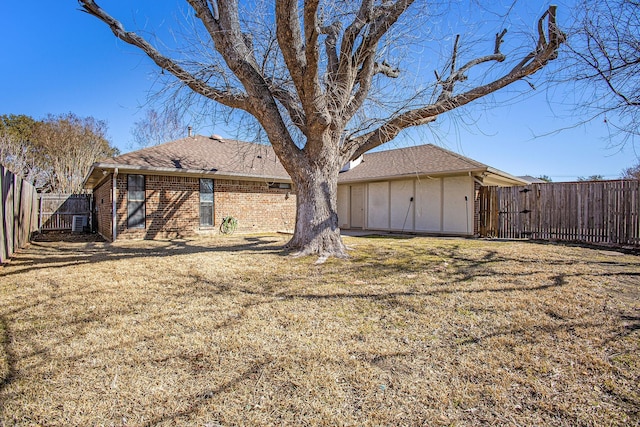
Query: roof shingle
{"x": 417, "y": 160}
{"x": 207, "y": 154}
{"x": 224, "y": 157}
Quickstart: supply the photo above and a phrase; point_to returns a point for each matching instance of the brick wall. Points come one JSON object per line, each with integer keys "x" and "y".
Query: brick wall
{"x": 173, "y": 207}
{"x": 256, "y": 206}
{"x": 103, "y": 208}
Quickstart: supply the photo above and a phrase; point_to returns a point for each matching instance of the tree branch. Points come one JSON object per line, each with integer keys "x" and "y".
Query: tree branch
{"x": 301, "y": 57}
{"x": 545, "y": 51}
{"x": 291, "y": 104}
{"x": 315, "y": 103}
{"x": 226, "y": 97}
{"x": 330, "y": 42}
{"x": 364, "y": 80}
{"x": 290, "y": 40}
{"x": 386, "y": 69}
{"x": 356, "y": 69}
{"x": 223, "y": 25}
{"x": 224, "y": 28}
{"x": 351, "y": 33}
{"x": 459, "y": 75}
{"x": 383, "y": 18}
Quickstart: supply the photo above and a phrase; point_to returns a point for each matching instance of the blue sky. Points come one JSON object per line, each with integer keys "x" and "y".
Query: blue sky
{"x": 56, "y": 59}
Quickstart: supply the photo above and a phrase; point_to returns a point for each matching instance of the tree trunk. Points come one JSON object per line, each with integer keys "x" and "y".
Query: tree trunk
{"x": 317, "y": 231}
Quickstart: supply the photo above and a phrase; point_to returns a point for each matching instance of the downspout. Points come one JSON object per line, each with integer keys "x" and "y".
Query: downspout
{"x": 114, "y": 217}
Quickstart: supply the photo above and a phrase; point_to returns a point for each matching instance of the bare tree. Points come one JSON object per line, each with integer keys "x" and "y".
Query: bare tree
{"x": 70, "y": 145}
{"x": 632, "y": 172}
{"x": 590, "y": 178}
{"x": 56, "y": 153}
{"x": 157, "y": 127}
{"x": 306, "y": 72}
{"x": 19, "y": 152}
{"x": 603, "y": 61}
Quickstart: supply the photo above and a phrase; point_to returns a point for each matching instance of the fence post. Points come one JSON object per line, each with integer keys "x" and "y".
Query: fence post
{"x": 16, "y": 213}
{"x": 594, "y": 212}
{"x": 40, "y": 213}
{"x": 3, "y": 241}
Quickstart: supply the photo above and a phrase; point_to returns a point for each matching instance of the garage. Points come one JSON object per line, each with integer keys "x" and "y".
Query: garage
{"x": 424, "y": 189}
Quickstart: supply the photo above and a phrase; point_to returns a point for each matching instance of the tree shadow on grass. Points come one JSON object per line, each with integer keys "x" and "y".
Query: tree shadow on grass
{"x": 462, "y": 269}
{"x": 204, "y": 396}
{"x": 558, "y": 281}
{"x": 8, "y": 355}
{"x": 49, "y": 255}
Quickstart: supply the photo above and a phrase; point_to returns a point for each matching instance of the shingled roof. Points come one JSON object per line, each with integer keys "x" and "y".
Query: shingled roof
{"x": 224, "y": 158}
{"x": 417, "y": 160}
{"x": 198, "y": 155}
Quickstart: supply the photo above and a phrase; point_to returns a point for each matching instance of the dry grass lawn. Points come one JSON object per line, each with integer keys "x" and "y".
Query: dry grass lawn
{"x": 231, "y": 331}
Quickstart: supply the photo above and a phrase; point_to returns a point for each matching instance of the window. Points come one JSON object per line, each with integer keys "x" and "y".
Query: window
{"x": 206, "y": 202}
{"x": 135, "y": 201}
{"x": 280, "y": 185}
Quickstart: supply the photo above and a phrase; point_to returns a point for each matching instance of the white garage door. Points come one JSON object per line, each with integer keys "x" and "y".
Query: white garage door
{"x": 429, "y": 205}
{"x": 378, "y": 206}
{"x": 434, "y": 205}
{"x": 343, "y": 206}
{"x": 457, "y": 211}
{"x": 402, "y": 205}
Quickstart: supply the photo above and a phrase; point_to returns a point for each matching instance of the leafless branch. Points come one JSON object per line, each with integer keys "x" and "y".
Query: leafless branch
{"x": 228, "y": 98}
{"x": 545, "y": 51}
{"x": 332, "y": 32}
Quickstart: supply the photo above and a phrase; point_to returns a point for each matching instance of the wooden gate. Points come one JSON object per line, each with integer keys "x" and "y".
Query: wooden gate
{"x": 58, "y": 210}
{"x": 505, "y": 212}
{"x": 592, "y": 211}
{"x": 18, "y": 210}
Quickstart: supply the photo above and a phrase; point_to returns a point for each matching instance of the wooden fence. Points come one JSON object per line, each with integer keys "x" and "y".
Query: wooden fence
{"x": 18, "y": 215}
{"x": 58, "y": 210}
{"x": 593, "y": 212}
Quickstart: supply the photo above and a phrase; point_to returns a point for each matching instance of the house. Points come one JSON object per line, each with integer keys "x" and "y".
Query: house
{"x": 423, "y": 188}
{"x": 185, "y": 187}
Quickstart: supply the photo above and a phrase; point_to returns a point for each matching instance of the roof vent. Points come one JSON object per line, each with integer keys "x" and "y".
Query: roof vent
{"x": 217, "y": 137}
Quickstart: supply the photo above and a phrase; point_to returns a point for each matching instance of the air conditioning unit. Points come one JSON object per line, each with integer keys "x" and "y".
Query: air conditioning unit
{"x": 78, "y": 223}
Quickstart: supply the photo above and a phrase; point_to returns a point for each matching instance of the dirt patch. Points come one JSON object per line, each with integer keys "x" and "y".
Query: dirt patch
{"x": 233, "y": 331}
{"x": 66, "y": 236}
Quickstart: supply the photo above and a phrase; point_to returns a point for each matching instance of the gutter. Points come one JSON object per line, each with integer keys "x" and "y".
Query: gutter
{"x": 114, "y": 217}
{"x": 417, "y": 174}
{"x": 487, "y": 171}
{"x": 213, "y": 173}
{"x": 506, "y": 175}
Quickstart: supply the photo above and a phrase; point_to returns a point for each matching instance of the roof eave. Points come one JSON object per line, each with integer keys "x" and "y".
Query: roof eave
{"x": 489, "y": 176}
{"x": 98, "y": 169}
{"x": 438, "y": 174}
{"x": 503, "y": 179}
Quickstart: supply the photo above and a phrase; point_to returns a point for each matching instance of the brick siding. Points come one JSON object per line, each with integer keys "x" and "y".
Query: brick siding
{"x": 103, "y": 208}
{"x": 172, "y": 207}
{"x": 256, "y": 206}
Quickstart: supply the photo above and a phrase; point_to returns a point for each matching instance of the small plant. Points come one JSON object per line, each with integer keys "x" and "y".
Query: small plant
{"x": 229, "y": 225}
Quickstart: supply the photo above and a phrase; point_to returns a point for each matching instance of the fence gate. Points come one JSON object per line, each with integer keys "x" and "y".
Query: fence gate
{"x": 64, "y": 212}
{"x": 18, "y": 213}
{"x": 505, "y": 212}
{"x": 592, "y": 211}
